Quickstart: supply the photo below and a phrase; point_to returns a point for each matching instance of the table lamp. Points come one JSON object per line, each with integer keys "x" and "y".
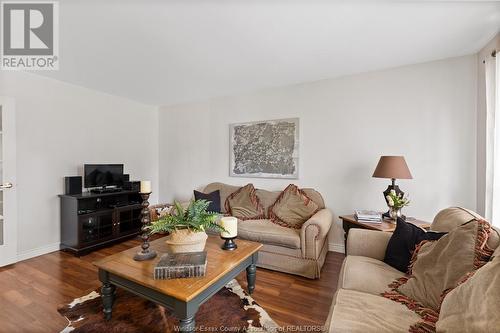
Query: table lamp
{"x": 393, "y": 167}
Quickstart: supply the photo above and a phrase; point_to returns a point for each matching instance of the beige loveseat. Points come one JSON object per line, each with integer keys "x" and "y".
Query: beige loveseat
{"x": 295, "y": 251}
{"x": 357, "y": 306}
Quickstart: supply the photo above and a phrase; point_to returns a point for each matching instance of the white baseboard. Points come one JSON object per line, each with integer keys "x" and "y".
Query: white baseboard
{"x": 37, "y": 252}
{"x": 336, "y": 247}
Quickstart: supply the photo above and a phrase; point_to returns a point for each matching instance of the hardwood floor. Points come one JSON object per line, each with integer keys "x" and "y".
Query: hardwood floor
{"x": 31, "y": 290}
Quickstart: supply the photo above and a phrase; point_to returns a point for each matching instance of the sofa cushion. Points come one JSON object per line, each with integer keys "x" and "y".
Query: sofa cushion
{"x": 315, "y": 196}
{"x": 225, "y": 191}
{"x": 440, "y": 264}
{"x": 367, "y": 275}
{"x": 266, "y": 232}
{"x": 494, "y": 239}
{"x": 267, "y": 198}
{"x": 292, "y": 208}
{"x": 358, "y": 312}
{"x": 244, "y": 204}
{"x": 474, "y": 305}
{"x": 403, "y": 241}
{"x": 452, "y": 217}
{"x": 496, "y": 254}
{"x": 330, "y": 312}
{"x": 212, "y": 197}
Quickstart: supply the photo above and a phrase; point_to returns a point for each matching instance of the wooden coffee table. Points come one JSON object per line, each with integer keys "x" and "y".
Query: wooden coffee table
{"x": 182, "y": 296}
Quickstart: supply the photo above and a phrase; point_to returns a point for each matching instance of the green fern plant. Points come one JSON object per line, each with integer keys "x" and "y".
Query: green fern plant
{"x": 195, "y": 218}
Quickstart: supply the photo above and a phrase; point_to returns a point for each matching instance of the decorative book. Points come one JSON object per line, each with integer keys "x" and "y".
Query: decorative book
{"x": 181, "y": 265}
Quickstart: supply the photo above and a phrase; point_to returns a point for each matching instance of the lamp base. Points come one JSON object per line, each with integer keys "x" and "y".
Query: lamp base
{"x": 229, "y": 244}
{"x": 145, "y": 255}
{"x": 396, "y": 189}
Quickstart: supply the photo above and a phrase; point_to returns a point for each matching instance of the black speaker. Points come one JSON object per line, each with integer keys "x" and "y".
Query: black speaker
{"x": 73, "y": 185}
{"x": 126, "y": 177}
{"x": 132, "y": 186}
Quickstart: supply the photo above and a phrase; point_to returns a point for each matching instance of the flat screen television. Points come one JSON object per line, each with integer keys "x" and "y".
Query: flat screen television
{"x": 102, "y": 175}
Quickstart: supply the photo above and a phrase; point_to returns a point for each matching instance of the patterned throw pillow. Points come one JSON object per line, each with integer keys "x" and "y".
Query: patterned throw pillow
{"x": 158, "y": 211}
{"x": 437, "y": 267}
{"x": 244, "y": 204}
{"x": 162, "y": 212}
{"x": 473, "y": 305}
{"x": 292, "y": 208}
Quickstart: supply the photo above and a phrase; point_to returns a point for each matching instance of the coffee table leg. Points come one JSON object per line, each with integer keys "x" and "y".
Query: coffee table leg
{"x": 108, "y": 295}
{"x": 251, "y": 272}
{"x": 187, "y": 325}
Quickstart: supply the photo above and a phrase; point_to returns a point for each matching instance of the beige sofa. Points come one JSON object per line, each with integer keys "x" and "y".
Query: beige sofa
{"x": 295, "y": 251}
{"x": 357, "y": 305}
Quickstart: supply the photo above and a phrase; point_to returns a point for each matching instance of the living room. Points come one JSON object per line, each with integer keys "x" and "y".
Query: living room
{"x": 238, "y": 100}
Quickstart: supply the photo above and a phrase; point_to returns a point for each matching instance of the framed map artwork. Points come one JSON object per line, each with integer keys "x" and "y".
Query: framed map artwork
{"x": 268, "y": 149}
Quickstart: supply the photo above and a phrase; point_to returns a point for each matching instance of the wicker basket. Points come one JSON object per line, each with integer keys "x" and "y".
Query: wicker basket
{"x": 185, "y": 240}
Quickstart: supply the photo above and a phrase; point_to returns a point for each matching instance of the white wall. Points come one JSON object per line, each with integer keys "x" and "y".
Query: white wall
{"x": 426, "y": 112}
{"x": 59, "y": 128}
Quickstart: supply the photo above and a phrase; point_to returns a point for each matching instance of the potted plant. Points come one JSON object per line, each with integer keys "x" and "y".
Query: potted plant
{"x": 396, "y": 203}
{"x": 186, "y": 227}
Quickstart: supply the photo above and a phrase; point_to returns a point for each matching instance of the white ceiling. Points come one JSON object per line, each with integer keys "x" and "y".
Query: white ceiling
{"x": 167, "y": 52}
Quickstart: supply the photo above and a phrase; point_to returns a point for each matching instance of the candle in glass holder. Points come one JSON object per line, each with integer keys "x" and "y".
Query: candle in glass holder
{"x": 145, "y": 186}
{"x": 229, "y": 223}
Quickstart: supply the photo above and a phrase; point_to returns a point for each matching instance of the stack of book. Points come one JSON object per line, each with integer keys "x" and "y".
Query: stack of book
{"x": 368, "y": 216}
{"x": 181, "y": 265}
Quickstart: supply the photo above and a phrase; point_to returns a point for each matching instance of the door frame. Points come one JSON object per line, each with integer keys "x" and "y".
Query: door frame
{"x": 10, "y": 225}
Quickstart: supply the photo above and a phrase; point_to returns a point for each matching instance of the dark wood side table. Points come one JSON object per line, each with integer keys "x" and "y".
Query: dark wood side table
{"x": 350, "y": 221}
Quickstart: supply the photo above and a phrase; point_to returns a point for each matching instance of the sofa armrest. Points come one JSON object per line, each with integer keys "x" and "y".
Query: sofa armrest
{"x": 367, "y": 243}
{"x": 314, "y": 233}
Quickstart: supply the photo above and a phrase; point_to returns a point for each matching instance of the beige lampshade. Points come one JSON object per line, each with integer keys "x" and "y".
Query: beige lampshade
{"x": 392, "y": 167}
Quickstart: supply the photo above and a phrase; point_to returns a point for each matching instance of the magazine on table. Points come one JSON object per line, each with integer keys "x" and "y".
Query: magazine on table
{"x": 368, "y": 216}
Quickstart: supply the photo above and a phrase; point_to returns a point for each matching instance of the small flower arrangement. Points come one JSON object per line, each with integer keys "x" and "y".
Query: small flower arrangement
{"x": 397, "y": 201}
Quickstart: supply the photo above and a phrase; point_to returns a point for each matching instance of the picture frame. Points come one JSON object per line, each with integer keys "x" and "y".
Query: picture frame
{"x": 264, "y": 149}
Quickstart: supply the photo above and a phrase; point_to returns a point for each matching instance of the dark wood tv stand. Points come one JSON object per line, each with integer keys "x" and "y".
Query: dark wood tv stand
{"x": 93, "y": 220}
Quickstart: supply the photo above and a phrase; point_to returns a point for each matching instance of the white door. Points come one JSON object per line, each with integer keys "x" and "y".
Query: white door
{"x": 8, "y": 202}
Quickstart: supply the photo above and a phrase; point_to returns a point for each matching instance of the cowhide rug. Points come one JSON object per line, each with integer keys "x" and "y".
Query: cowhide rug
{"x": 230, "y": 310}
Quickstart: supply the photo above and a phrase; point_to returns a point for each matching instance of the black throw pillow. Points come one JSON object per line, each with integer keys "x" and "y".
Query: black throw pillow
{"x": 213, "y": 197}
{"x": 403, "y": 242}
